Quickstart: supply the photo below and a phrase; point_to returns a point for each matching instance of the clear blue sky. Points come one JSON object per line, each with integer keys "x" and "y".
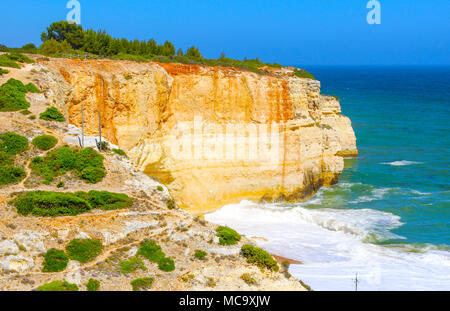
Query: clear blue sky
{"x": 303, "y": 32}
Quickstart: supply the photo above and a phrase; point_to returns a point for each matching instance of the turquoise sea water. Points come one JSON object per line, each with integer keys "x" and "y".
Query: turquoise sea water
{"x": 388, "y": 218}
{"x": 401, "y": 117}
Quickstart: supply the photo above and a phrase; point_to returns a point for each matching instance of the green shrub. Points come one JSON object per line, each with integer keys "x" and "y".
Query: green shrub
{"x": 141, "y": 284}
{"x": 12, "y": 96}
{"x": 60, "y": 184}
{"x": 199, "y": 254}
{"x": 52, "y": 114}
{"x": 31, "y": 88}
{"x": 53, "y": 204}
{"x": 166, "y": 264}
{"x": 93, "y": 285}
{"x": 55, "y": 260}
{"x": 160, "y": 188}
{"x": 301, "y": 73}
{"x": 19, "y": 58}
{"x": 6, "y": 159}
{"x": 3, "y": 71}
{"x": 45, "y": 142}
{"x": 132, "y": 265}
{"x": 151, "y": 250}
{"x": 227, "y": 236}
{"x": 13, "y": 143}
{"x": 259, "y": 257}
{"x": 170, "y": 203}
{"x": 247, "y": 278}
{"x": 6, "y": 62}
{"x": 120, "y": 152}
{"x": 84, "y": 250}
{"x": 92, "y": 175}
{"x": 25, "y": 112}
{"x": 11, "y": 174}
{"x": 32, "y": 117}
{"x": 86, "y": 163}
{"x": 108, "y": 201}
{"x": 58, "y": 286}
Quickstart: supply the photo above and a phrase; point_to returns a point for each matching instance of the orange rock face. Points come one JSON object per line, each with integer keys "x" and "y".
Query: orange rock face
{"x": 213, "y": 135}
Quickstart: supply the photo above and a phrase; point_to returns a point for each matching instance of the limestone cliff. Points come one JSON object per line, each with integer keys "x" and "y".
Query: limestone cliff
{"x": 213, "y": 135}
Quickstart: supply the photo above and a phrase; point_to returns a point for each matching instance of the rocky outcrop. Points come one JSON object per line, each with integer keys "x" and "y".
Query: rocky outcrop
{"x": 213, "y": 135}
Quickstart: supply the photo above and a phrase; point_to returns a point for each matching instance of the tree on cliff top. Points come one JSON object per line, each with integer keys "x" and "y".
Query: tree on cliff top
{"x": 65, "y": 31}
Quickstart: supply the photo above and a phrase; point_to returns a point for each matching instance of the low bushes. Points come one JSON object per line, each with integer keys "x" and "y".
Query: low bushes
{"x": 54, "y": 204}
{"x": 166, "y": 264}
{"x": 93, "y": 285}
{"x": 50, "y": 204}
{"x": 132, "y": 265}
{"x": 86, "y": 163}
{"x": 13, "y": 143}
{"x": 301, "y": 73}
{"x": 227, "y": 236}
{"x": 58, "y": 286}
{"x": 19, "y": 58}
{"x": 6, "y": 62}
{"x": 10, "y": 145}
{"x": 199, "y": 254}
{"x": 11, "y": 174}
{"x": 12, "y": 95}
{"x": 152, "y": 251}
{"x": 120, "y": 152}
{"x": 52, "y": 114}
{"x": 142, "y": 284}
{"x": 55, "y": 260}
{"x": 247, "y": 278}
{"x": 259, "y": 257}
{"x": 84, "y": 250}
{"x": 3, "y": 71}
{"x": 45, "y": 142}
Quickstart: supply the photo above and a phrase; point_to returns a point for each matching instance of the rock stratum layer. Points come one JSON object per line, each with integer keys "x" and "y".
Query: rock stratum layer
{"x": 213, "y": 135}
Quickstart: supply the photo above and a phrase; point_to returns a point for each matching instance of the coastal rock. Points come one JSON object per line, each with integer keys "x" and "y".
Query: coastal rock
{"x": 212, "y": 135}
{"x": 17, "y": 263}
{"x": 8, "y": 247}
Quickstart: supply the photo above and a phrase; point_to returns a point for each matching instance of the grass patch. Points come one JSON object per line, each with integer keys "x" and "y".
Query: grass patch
{"x": 93, "y": 285}
{"x": 45, "y": 142}
{"x": 19, "y": 58}
{"x": 152, "y": 251}
{"x": 55, "y": 260}
{"x": 199, "y": 254}
{"x": 12, "y": 96}
{"x": 301, "y": 73}
{"x": 132, "y": 265}
{"x": 11, "y": 174}
{"x": 227, "y": 236}
{"x": 247, "y": 278}
{"x": 259, "y": 257}
{"x": 6, "y": 159}
{"x": 33, "y": 117}
{"x": 13, "y": 143}
{"x": 84, "y": 250}
{"x": 52, "y": 114}
{"x": 54, "y": 204}
{"x": 86, "y": 163}
{"x": 166, "y": 264}
{"x": 25, "y": 112}
{"x": 5, "y": 61}
{"x": 142, "y": 284}
{"x": 3, "y": 72}
{"x": 120, "y": 152}
{"x": 58, "y": 286}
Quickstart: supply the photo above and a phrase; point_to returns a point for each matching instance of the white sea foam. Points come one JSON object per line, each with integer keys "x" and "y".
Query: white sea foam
{"x": 401, "y": 163}
{"x": 330, "y": 243}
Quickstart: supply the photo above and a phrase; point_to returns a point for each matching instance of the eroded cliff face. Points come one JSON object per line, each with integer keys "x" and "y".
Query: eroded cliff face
{"x": 213, "y": 135}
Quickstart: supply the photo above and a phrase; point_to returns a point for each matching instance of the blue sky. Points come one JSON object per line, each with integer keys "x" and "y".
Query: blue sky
{"x": 300, "y": 32}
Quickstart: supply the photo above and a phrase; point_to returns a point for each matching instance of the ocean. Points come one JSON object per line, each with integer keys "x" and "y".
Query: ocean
{"x": 386, "y": 222}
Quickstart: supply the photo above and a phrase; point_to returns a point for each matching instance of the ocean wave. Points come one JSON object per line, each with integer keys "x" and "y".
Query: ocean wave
{"x": 333, "y": 246}
{"x": 376, "y": 194}
{"x": 401, "y": 163}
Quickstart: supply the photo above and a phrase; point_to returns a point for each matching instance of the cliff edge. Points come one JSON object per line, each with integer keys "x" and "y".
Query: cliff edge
{"x": 212, "y": 135}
